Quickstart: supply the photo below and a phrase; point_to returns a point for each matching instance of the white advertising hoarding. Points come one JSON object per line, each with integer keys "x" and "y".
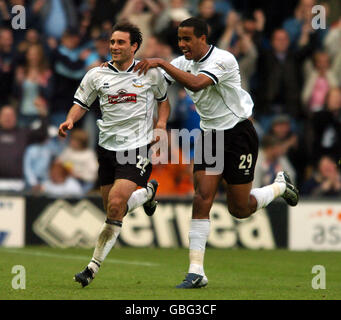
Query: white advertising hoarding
{"x": 315, "y": 226}
{"x": 12, "y": 221}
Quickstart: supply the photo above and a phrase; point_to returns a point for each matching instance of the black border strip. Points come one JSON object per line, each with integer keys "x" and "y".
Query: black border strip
{"x": 83, "y": 105}
{"x": 211, "y": 75}
{"x": 205, "y": 57}
{"x": 163, "y": 98}
{"x": 168, "y": 81}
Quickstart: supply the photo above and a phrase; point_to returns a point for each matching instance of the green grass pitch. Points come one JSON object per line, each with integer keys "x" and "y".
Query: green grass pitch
{"x": 151, "y": 274}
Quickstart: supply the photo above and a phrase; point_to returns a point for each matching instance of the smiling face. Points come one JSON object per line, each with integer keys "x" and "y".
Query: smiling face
{"x": 192, "y": 47}
{"x": 121, "y": 49}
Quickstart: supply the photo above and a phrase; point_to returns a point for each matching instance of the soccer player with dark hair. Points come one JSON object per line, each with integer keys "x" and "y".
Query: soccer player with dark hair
{"x": 211, "y": 78}
{"x": 127, "y": 101}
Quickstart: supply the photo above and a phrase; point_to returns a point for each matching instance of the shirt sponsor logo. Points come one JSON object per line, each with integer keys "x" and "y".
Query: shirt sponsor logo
{"x": 106, "y": 85}
{"x": 122, "y": 96}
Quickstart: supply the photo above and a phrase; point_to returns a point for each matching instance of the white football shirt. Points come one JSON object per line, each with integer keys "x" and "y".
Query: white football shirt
{"x": 224, "y": 104}
{"x": 127, "y": 101}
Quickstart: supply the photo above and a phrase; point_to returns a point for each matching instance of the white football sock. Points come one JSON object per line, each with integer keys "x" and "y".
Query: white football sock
{"x": 138, "y": 198}
{"x": 267, "y": 194}
{"x": 106, "y": 240}
{"x": 198, "y": 236}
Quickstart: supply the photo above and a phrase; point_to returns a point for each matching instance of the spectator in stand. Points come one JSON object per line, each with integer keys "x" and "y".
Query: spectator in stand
{"x": 5, "y": 15}
{"x": 104, "y": 10}
{"x": 32, "y": 37}
{"x": 299, "y": 26}
{"x": 326, "y": 127}
{"x": 141, "y": 13}
{"x": 271, "y": 160}
{"x": 332, "y": 41}
{"x": 32, "y": 85}
{"x": 68, "y": 64}
{"x": 318, "y": 83}
{"x": 101, "y": 53}
{"x": 172, "y": 8}
{"x": 237, "y": 39}
{"x": 61, "y": 183}
{"x": 37, "y": 160}
{"x": 293, "y": 145}
{"x": 332, "y": 45}
{"x": 325, "y": 181}
{"x": 170, "y": 33}
{"x": 279, "y": 77}
{"x": 7, "y": 54}
{"x": 13, "y": 143}
{"x": 80, "y": 160}
{"x": 55, "y": 16}
{"x": 208, "y": 13}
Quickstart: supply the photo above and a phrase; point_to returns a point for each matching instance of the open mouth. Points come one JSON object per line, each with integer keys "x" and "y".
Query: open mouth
{"x": 186, "y": 52}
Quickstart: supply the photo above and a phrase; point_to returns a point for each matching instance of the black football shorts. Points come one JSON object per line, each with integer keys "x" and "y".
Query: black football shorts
{"x": 239, "y": 150}
{"x": 133, "y": 165}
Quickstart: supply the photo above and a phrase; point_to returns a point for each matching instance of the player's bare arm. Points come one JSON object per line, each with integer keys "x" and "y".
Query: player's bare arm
{"x": 75, "y": 113}
{"x": 190, "y": 81}
{"x": 163, "y": 114}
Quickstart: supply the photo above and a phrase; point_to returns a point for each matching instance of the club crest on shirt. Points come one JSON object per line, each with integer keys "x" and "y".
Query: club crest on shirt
{"x": 122, "y": 96}
{"x": 137, "y": 83}
{"x": 220, "y": 65}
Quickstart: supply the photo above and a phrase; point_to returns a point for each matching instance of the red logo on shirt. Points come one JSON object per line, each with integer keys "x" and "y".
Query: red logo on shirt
{"x": 122, "y": 97}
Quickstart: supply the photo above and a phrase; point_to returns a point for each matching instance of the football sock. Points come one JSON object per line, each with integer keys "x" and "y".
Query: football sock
{"x": 138, "y": 198}
{"x": 106, "y": 240}
{"x": 267, "y": 194}
{"x": 198, "y": 235}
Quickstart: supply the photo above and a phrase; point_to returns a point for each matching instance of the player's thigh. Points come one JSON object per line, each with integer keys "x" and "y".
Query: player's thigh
{"x": 238, "y": 199}
{"x": 241, "y": 152}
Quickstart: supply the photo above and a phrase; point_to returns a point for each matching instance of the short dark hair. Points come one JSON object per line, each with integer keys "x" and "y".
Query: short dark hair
{"x": 134, "y": 31}
{"x": 200, "y": 26}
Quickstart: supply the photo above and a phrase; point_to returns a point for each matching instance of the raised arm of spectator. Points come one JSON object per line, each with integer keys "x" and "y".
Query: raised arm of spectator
{"x": 231, "y": 22}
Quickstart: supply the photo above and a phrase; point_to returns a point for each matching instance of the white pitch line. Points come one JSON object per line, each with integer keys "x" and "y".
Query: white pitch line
{"x": 65, "y": 256}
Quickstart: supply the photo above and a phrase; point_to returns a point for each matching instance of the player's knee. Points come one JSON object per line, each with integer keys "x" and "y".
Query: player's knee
{"x": 116, "y": 208}
{"x": 239, "y": 212}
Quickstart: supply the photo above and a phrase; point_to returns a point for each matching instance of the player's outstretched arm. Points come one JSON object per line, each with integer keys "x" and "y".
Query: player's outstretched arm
{"x": 75, "y": 113}
{"x": 190, "y": 81}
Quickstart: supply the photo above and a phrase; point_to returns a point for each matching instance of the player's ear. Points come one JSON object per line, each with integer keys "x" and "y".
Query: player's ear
{"x": 134, "y": 47}
{"x": 203, "y": 38}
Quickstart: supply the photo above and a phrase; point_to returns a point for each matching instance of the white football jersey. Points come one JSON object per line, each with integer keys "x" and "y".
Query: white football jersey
{"x": 224, "y": 104}
{"x": 127, "y": 101}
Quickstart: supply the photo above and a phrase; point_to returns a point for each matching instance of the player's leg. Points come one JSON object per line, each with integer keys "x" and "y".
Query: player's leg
{"x": 205, "y": 187}
{"x": 105, "y": 194}
{"x": 239, "y": 201}
{"x": 243, "y": 201}
{"x": 115, "y": 202}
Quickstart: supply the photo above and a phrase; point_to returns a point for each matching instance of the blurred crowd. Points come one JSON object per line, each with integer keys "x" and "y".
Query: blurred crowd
{"x": 292, "y": 71}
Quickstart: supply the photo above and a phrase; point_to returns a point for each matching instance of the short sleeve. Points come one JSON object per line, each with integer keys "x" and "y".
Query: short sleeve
{"x": 220, "y": 69}
{"x": 159, "y": 85}
{"x": 86, "y": 93}
{"x": 175, "y": 63}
